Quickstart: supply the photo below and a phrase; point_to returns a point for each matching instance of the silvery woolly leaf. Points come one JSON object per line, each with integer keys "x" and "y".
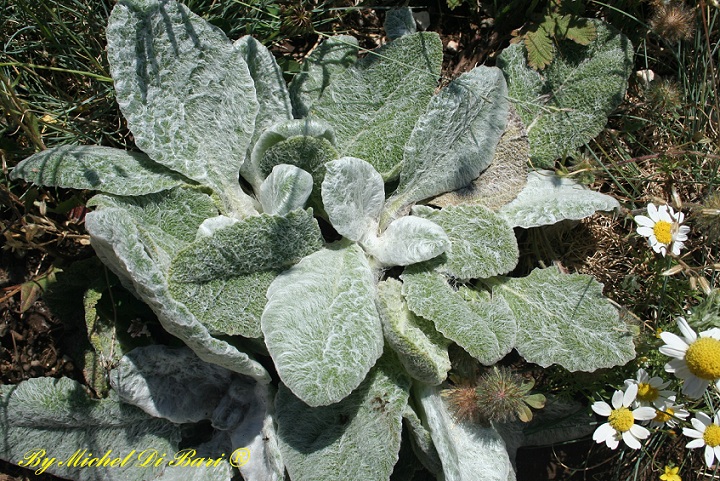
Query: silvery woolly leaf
{"x": 565, "y": 319}
{"x": 547, "y": 199}
{"x": 286, "y": 188}
{"x": 418, "y": 345}
{"x": 559, "y": 421}
{"x": 406, "y": 241}
{"x": 568, "y": 104}
{"x": 222, "y": 279}
{"x": 57, "y": 417}
{"x": 312, "y": 147}
{"x": 104, "y": 169}
{"x": 506, "y": 176}
{"x": 399, "y": 22}
{"x": 134, "y": 254}
{"x": 211, "y": 224}
{"x": 270, "y": 88}
{"x": 170, "y": 383}
{"x": 167, "y": 221}
{"x": 353, "y": 195}
{"x": 454, "y": 140}
{"x": 254, "y": 244}
{"x": 174, "y": 384}
{"x": 357, "y": 438}
{"x": 482, "y": 325}
{"x": 465, "y": 449}
{"x": 482, "y": 244}
{"x": 321, "y": 326}
{"x": 187, "y": 94}
{"x": 422, "y": 442}
{"x": 374, "y": 104}
{"x": 328, "y": 60}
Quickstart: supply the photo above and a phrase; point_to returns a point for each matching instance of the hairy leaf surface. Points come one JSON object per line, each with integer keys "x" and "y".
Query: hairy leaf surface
{"x": 353, "y": 195}
{"x": 286, "y": 188}
{"x": 120, "y": 239}
{"x": 482, "y": 244}
{"x": 326, "y": 62}
{"x": 506, "y": 176}
{"x": 568, "y": 104}
{"x": 455, "y": 139}
{"x": 222, "y": 279}
{"x": 358, "y": 436}
{"x": 547, "y": 199}
{"x": 465, "y": 449}
{"x": 482, "y": 325}
{"x": 186, "y": 92}
{"x": 406, "y": 241}
{"x": 104, "y": 169}
{"x": 564, "y": 319}
{"x": 374, "y": 104}
{"x": 321, "y": 325}
{"x": 420, "y": 348}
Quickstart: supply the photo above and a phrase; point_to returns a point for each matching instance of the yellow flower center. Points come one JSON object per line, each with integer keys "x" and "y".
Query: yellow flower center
{"x": 712, "y": 435}
{"x": 646, "y": 392}
{"x": 703, "y": 358}
{"x": 621, "y": 419}
{"x": 663, "y": 231}
{"x": 663, "y": 416}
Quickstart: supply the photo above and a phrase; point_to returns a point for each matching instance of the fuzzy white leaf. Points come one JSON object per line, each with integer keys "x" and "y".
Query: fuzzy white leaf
{"x": 547, "y": 199}
{"x": 104, "y": 169}
{"x": 465, "y": 449}
{"x": 420, "y": 348}
{"x": 286, "y": 188}
{"x": 455, "y": 139}
{"x": 353, "y": 195}
{"x": 357, "y": 438}
{"x": 483, "y": 326}
{"x": 565, "y": 319}
{"x": 321, "y": 326}
{"x": 186, "y": 92}
{"x": 406, "y": 241}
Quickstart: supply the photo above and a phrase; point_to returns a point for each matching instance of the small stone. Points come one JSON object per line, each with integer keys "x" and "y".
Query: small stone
{"x": 452, "y": 46}
{"x": 422, "y": 19}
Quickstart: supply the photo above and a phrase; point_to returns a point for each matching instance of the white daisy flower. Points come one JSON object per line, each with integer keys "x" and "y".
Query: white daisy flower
{"x": 651, "y": 390}
{"x": 706, "y": 433}
{"x": 697, "y": 358}
{"x": 621, "y": 420}
{"x": 663, "y": 228}
{"x": 669, "y": 414}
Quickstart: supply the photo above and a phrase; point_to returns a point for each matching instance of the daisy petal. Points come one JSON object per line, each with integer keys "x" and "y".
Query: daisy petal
{"x": 602, "y": 408}
{"x": 653, "y": 212}
{"x": 709, "y": 456}
{"x": 674, "y": 345}
{"x": 644, "y": 413}
{"x": 630, "y": 395}
{"x": 644, "y": 221}
{"x": 686, "y": 330}
{"x": 603, "y": 433}
{"x": 695, "y": 443}
{"x": 645, "y": 231}
{"x": 694, "y": 387}
{"x": 639, "y": 432}
{"x": 630, "y": 440}
{"x": 617, "y": 399}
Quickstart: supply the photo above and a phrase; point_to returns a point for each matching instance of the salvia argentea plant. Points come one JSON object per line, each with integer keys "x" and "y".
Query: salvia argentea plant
{"x": 325, "y": 251}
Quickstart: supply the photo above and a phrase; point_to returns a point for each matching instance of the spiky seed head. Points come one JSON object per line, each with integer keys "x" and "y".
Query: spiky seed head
{"x": 673, "y": 21}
